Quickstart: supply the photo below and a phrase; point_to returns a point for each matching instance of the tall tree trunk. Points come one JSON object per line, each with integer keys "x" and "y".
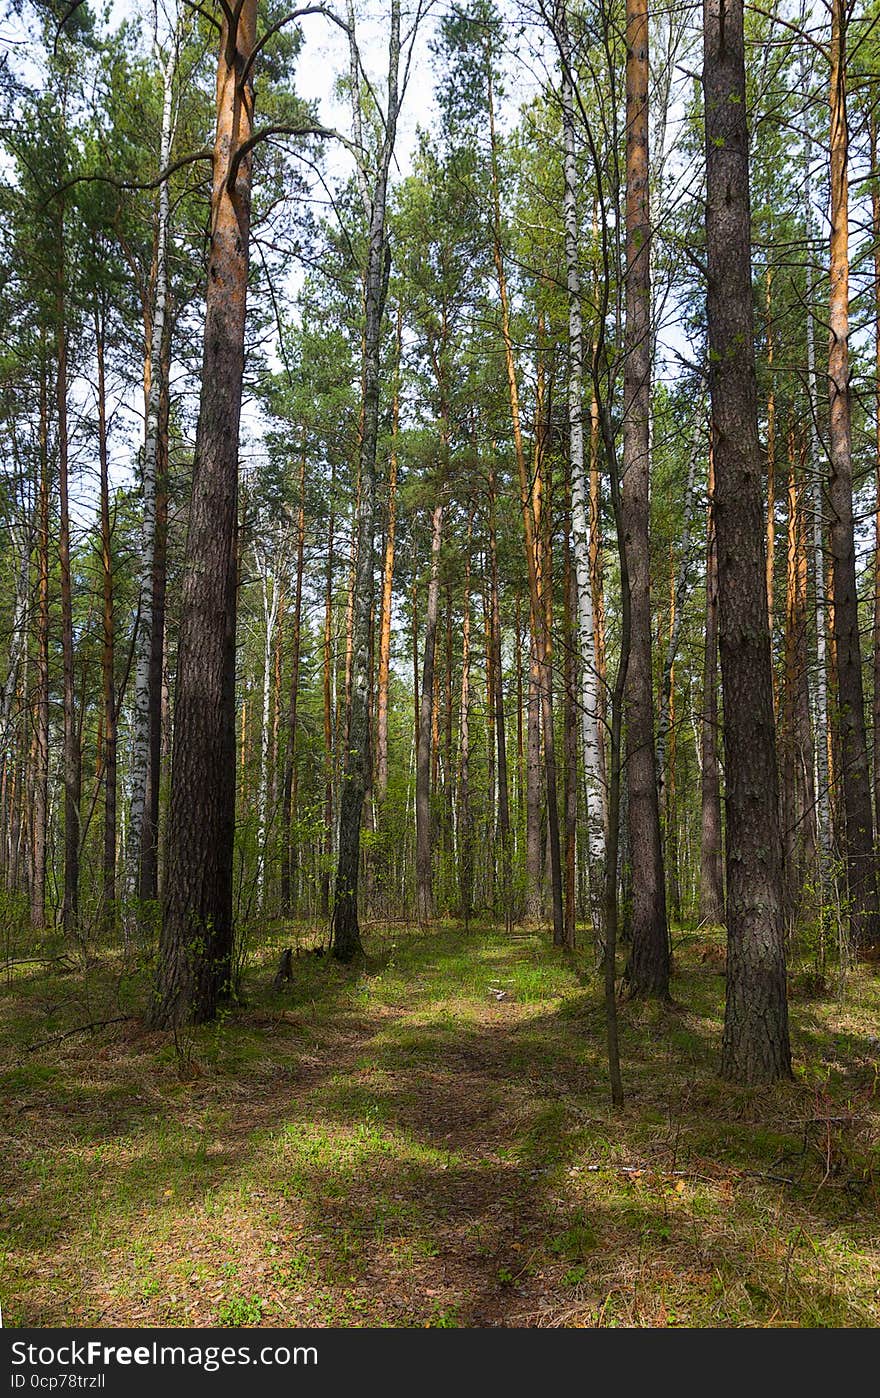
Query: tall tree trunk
{"x": 288, "y": 802}
{"x": 544, "y": 578}
{"x": 590, "y": 684}
{"x": 648, "y": 969}
{"x": 108, "y": 889}
{"x": 490, "y": 734}
{"x": 534, "y": 883}
{"x": 465, "y": 830}
{"x": 72, "y": 755}
{"x": 504, "y": 834}
{"x": 41, "y": 694}
{"x": 755, "y": 1045}
{"x": 349, "y": 614}
{"x": 520, "y": 712}
{"x": 536, "y": 599}
{"x": 388, "y": 586}
{"x": 448, "y": 768}
{"x": 435, "y": 728}
{"x": 864, "y": 927}
{"x": 615, "y": 772}
{"x": 149, "y": 854}
{"x": 597, "y": 586}
{"x": 346, "y": 941}
{"x": 424, "y": 881}
{"x": 666, "y": 766}
{"x": 875, "y": 229}
{"x": 823, "y": 814}
{"x": 771, "y": 471}
{"x": 678, "y": 596}
{"x": 570, "y": 747}
{"x": 195, "y": 952}
{"x": 142, "y": 825}
{"x": 711, "y": 865}
{"x": 271, "y": 593}
{"x": 328, "y": 705}
{"x": 796, "y": 755}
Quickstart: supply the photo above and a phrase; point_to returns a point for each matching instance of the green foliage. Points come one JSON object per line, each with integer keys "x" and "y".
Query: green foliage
{"x": 241, "y": 1311}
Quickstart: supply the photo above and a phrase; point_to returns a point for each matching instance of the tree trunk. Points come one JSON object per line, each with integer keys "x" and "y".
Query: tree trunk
{"x": 823, "y": 817}
{"x": 711, "y": 865}
{"x": 864, "y": 927}
{"x": 448, "y": 767}
{"x": 570, "y": 748}
{"x": 490, "y": 735}
{"x": 465, "y": 831}
{"x": 875, "y": 217}
{"x": 195, "y": 953}
{"x": 288, "y": 801}
{"x": 597, "y": 587}
{"x": 328, "y": 706}
{"x": 142, "y": 824}
{"x": 532, "y": 545}
{"x": 41, "y": 696}
{"x": 500, "y": 726}
{"x": 755, "y": 1044}
{"x": 771, "y": 474}
{"x": 424, "y": 881}
{"x": 796, "y": 749}
{"x": 594, "y": 766}
{"x": 108, "y": 888}
{"x": 615, "y": 774}
{"x": 346, "y": 941}
{"x": 678, "y": 597}
{"x": 520, "y": 712}
{"x": 534, "y": 882}
{"x": 72, "y": 755}
{"x": 387, "y": 588}
{"x": 349, "y": 615}
{"x": 666, "y": 763}
{"x": 270, "y": 588}
{"x": 648, "y": 968}
{"x": 149, "y": 853}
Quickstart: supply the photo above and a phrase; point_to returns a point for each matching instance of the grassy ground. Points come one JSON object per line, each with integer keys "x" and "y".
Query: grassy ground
{"x": 430, "y": 1144}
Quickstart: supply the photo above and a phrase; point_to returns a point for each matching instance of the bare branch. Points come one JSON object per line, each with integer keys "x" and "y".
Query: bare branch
{"x": 204, "y": 154}
{"x": 281, "y": 23}
{"x": 247, "y": 146}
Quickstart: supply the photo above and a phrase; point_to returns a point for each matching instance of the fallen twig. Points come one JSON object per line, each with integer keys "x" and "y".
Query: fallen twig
{"x": 37, "y": 961}
{"x": 80, "y": 1029}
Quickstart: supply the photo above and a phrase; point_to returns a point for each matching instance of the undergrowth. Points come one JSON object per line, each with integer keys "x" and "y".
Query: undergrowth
{"x": 427, "y": 1141}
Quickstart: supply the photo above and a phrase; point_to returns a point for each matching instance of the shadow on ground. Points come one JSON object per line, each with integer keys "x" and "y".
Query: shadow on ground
{"x": 430, "y": 1143}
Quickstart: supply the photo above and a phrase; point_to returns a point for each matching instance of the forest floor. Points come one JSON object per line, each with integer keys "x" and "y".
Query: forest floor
{"x": 429, "y": 1142}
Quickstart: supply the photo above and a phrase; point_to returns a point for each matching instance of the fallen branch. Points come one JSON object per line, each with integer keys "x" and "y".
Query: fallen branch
{"x": 80, "y": 1029}
{"x": 37, "y": 961}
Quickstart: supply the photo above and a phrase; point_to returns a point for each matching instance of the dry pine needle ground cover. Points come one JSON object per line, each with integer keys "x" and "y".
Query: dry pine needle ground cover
{"x": 428, "y": 1142}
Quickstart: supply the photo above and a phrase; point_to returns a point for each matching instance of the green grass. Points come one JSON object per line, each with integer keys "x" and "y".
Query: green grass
{"x": 401, "y": 1147}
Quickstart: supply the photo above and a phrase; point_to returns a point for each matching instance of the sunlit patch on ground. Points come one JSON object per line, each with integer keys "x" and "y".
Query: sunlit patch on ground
{"x": 429, "y": 1143}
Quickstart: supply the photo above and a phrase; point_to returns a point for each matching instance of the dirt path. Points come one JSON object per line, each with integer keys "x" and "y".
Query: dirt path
{"x": 430, "y": 1144}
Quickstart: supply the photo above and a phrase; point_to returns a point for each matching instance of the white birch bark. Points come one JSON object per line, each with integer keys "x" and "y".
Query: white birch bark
{"x": 590, "y": 680}
{"x": 144, "y": 623}
{"x": 271, "y": 593}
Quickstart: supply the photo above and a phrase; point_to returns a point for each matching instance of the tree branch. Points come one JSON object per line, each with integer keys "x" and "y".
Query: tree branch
{"x": 247, "y": 146}
{"x": 163, "y": 175}
{"x": 280, "y": 24}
